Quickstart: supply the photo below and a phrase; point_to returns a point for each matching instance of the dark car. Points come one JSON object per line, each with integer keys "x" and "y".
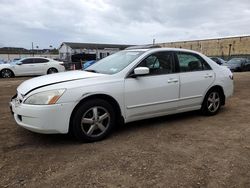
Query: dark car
{"x": 238, "y": 64}
{"x": 218, "y": 60}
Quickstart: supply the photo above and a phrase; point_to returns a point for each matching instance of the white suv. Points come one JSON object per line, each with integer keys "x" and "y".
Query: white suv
{"x": 31, "y": 66}
{"x": 127, "y": 86}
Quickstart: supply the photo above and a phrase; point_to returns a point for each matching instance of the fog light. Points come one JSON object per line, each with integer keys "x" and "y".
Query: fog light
{"x": 19, "y": 117}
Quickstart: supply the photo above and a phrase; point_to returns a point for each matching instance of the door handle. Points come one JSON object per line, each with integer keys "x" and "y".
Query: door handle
{"x": 208, "y": 76}
{"x": 172, "y": 80}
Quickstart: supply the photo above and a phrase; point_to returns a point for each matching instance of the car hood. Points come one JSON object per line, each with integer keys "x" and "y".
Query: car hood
{"x": 41, "y": 81}
{"x": 5, "y": 65}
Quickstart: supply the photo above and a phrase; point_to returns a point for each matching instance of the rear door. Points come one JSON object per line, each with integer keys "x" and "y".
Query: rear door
{"x": 196, "y": 76}
{"x": 40, "y": 65}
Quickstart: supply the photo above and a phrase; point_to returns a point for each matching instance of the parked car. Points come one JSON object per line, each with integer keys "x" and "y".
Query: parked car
{"x": 127, "y": 86}
{"x": 88, "y": 63}
{"x": 2, "y": 62}
{"x": 31, "y": 66}
{"x": 238, "y": 64}
{"x": 218, "y": 60}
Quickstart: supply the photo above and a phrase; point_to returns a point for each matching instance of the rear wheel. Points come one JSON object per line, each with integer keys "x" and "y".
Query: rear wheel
{"x": 93, "y": 120}
{"x": 212, "y": 103}
{"x": 248, "y": 68}
{"x": 6, "y": 73}
{"x": 52, "y": 71}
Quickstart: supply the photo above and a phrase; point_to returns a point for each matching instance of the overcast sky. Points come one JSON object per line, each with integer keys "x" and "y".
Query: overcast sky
{"x": 50, "y": 22}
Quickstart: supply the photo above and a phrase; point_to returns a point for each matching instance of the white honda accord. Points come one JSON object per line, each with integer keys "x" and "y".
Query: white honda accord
{"x": 127, "y": 86}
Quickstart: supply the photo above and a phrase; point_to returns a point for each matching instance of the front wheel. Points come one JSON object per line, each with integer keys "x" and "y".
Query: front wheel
{"x": 212, "y": 103}
{"x": 6, "y": 73}
{"x": 93, "y": 120}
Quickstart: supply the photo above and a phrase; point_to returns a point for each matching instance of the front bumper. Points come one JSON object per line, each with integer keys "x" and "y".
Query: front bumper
{"x": 47, "y": 119}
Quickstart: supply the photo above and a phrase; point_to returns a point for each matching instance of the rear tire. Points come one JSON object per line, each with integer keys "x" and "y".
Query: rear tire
{"x": 93, "y": 121}
{"x": 212, "y": 102}
{"x": 6, "y": 73}
{"x": 52, "y": 71}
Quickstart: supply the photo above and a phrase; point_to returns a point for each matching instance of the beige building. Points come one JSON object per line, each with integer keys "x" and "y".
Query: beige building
{"x": 221, "y": 47}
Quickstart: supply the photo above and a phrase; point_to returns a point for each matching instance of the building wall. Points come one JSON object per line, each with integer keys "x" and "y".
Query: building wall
{"x": 240, "y": 46}
{"x": 65, "y": 52}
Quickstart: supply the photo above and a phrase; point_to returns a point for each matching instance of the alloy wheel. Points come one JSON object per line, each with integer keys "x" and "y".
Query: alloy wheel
{"x": 213, "y": 101}
{"x": 52, "y": 71}
{"x": 6, "y": 73}
{"x": 95, "y": 121}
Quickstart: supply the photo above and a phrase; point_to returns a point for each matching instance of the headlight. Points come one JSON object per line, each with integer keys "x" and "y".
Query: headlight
{"x": 46, "y": 97}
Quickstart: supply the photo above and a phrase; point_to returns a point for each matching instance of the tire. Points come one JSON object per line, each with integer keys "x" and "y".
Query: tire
{"x": 248, "y": 68}
{"x": 52, "y": 71}
{"x": 93, "y": 121}
{"x": 212, "y": 103}
{"x": 6, "y": 73}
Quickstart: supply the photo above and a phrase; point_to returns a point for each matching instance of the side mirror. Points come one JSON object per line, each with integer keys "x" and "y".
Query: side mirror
{"x": 139, "y": 71}
{"x": 19, "y": 63}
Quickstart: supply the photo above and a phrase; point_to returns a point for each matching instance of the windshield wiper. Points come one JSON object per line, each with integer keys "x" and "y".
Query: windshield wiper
{"x": 91, "y": 70}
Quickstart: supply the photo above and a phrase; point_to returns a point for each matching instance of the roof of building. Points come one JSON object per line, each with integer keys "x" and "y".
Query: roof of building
{"x": 74, "y": 45}
{"x": 208, "y": 39}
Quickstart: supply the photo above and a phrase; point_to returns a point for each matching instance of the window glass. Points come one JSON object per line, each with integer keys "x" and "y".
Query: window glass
{"x": 40, "y": 60}
{"x": 27, "y": 61}
{"x": 115, "y": 62}
{"x": 159, "y": 63}
{"x": 191, "y": 62}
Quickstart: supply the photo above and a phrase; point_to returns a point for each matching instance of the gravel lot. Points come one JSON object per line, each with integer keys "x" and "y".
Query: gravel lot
{"x": 184, "y": 150}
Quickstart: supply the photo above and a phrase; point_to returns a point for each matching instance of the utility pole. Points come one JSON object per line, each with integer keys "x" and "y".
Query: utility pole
{"x": 37, "y": 47}
{"x": 229, "y": 53}
{"x": 32, "y": 49}
{"x": 153, "y": 41}
{"x": 50, "y": 50}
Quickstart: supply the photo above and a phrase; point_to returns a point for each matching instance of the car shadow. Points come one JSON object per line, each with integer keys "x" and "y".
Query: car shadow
{"x": 167, "y": 120}
{"x": 52, "y": 140}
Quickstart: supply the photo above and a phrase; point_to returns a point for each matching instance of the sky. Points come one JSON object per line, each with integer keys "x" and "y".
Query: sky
{"x": 51, "y": 22}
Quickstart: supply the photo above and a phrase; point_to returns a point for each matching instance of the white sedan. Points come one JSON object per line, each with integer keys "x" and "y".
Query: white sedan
{"x": 31, "y": 66}
{"x": 127, "y": 86}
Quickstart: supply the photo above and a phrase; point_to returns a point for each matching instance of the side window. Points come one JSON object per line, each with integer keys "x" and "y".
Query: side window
{"x": 191, "y": 62}
{"x": 27, "y": 61}
{"x": 159, "y": 63}
{"x": 40, "y": 60}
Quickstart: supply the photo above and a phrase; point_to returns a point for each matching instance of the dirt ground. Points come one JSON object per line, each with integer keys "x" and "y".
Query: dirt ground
{"x": 184, "y": 150}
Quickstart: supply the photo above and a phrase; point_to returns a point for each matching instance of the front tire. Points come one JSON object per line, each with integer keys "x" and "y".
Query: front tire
{"x": 212, "y": 103}
{"x": 6, "y": 73}
{"x": 93, "y": 120}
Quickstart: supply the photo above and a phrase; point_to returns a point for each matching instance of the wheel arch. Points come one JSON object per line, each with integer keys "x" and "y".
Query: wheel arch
{"x": 52, "y": 68}
{"x": 218, "y": 88}
{"x": 13, "y": 74}
{"x": 105, "y": 97}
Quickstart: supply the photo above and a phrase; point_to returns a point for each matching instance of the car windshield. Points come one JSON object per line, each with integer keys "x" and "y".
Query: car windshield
{"x": 234, "y": 61}
{"x": 114, "y": 63}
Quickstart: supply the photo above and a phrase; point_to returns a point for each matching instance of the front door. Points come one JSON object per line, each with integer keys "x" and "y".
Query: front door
{"x": 25, "y": 67}
{"x": 154, "y": 94}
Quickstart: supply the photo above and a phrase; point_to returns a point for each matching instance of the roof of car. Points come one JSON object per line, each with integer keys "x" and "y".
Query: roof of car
{"x": 163, "y": 49}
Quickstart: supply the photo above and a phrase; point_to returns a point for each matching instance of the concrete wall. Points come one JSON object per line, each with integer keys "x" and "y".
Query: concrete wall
{"x": 240, "y": 46}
